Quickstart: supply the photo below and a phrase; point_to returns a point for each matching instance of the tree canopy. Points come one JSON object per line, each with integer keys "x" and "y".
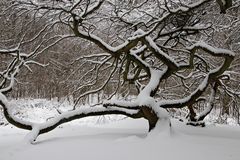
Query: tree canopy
{"x": 163, "y": 51}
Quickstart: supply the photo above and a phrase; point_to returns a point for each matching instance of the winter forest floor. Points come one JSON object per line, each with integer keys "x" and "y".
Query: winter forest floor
{"x": 123, "y": 140}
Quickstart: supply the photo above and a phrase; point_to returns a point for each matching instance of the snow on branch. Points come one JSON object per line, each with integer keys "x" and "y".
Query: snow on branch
{"x": 218, "y": 52}
{"x": 212, "y": 76}
{"x": 120, "y": 104}
{"x": 210, "y": 103}
{"x": 15, "y": 52}
{"x": 169, "y": 61}
{"x": 77, "y": 114}
{"x": 40, "y": 128}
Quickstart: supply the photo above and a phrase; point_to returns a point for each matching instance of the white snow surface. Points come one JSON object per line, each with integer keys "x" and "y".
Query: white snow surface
{"x": 123, "y": 140}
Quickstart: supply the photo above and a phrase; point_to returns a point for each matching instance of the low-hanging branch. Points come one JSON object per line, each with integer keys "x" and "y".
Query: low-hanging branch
{"x": 144, "y": 57}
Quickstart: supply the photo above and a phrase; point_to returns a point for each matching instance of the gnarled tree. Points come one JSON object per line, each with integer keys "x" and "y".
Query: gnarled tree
{"x": 156, "y": 46}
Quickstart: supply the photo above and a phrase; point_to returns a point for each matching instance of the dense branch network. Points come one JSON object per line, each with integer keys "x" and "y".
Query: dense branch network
{"x": 150, "y": 43}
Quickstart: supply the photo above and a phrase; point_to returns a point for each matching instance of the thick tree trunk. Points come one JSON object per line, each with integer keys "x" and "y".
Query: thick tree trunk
{"x": 192, "y": 114}
{"x": 151, "y": 117}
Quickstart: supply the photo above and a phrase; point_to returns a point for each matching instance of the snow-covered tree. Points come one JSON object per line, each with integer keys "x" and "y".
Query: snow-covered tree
{"x": 224, "y": 33}
{"x": 155, "y": 46}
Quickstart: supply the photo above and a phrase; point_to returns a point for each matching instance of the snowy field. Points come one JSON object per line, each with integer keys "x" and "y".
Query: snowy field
{"x": 123, "y": 140}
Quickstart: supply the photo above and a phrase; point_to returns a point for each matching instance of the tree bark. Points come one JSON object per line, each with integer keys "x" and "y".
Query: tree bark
{"x": 151, "y": 117}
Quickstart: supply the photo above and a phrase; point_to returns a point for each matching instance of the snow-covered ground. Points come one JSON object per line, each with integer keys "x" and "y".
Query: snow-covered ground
{"x": 111, "y": 138}
{"x": 123, "y": 140}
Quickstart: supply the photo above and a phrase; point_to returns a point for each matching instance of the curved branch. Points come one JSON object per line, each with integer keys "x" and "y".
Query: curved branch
{"x": 48, "y": 126}
{"x": 212, "y": 76}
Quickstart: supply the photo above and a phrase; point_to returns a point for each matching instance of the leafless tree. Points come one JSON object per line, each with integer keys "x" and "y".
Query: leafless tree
{"x": 155, "y": 46}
